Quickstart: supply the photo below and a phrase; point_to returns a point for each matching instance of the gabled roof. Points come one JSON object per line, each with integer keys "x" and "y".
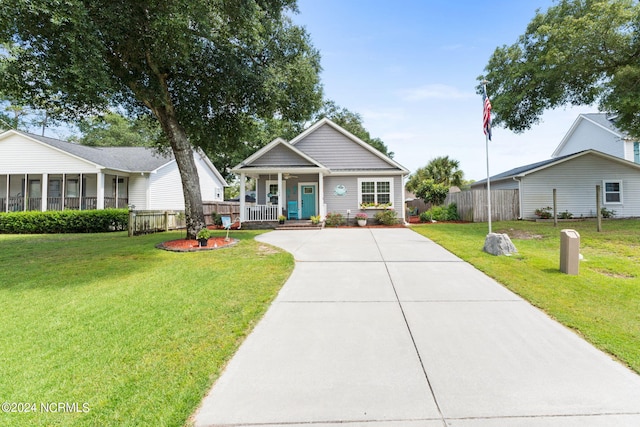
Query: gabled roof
{"x": 522, "y": 171}
{"x": 125, "y": 159}
{"x": 352, "y": 137}
{"x": 309, "y": 161}
{"x": 278, "y": 142}
{"x": 601, "y": 120}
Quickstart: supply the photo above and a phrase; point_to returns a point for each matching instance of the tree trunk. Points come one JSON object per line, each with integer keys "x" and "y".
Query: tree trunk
{"x": 183, "y": 152}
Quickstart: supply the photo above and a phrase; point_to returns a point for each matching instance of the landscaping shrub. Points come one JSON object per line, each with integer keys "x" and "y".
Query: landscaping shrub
{"x": 386, "y": 217}
{"x": 544, "y": 213}
{"x": 565, "y": 215}
{"x": 334, "y": 219}
{"x": 606, "y": 213}
{"x": 216, "y": 218}
{"x": 441, "y": 213}
{"x": 69, "y": 221}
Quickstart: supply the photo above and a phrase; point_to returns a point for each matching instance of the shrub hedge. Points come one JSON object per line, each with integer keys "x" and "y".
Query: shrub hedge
{"x": 69, "y": 221}
{"x": 386, "y": 217}
{"x": 441, "y": 213}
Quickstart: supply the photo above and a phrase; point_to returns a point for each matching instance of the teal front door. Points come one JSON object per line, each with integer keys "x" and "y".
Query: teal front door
{"x": 308, "y": 198}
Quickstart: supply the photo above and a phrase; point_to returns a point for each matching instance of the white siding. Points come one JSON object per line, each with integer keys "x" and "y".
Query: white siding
{"x": 210, "y": 185}
{"x": 19, "y": 155}
{"x": 165, "y": 186}
{"x": 165, "y": 189}
{"x": 587, "y": 136}
{"x": 575, "y": 181}
{"x": 138, "y": 194}
{"x": 629, "y": 153}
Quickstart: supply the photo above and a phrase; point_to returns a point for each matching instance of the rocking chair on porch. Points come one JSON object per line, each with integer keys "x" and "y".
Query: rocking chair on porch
{"x": 292, "y": 210}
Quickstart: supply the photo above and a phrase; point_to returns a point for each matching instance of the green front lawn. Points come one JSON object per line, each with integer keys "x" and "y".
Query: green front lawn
{"x": 602, "y": 303}
{"x": 122, "y": 333}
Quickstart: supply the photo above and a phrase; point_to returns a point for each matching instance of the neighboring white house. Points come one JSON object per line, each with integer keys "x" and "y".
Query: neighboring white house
{"x": 324, "y": 169}
{"x": 575, "y": 177}
{"x": 593, "y": 152}
{"x": 598, "y": 131}
{"x": 40, "y": 173}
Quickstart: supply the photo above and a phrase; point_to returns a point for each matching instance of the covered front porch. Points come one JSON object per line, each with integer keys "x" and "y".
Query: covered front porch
{"x": 55, "y": 192}
{"x": 294, "y": 194}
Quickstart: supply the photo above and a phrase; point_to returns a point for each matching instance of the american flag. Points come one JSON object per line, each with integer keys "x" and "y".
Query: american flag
{"x": 486, "y": 114}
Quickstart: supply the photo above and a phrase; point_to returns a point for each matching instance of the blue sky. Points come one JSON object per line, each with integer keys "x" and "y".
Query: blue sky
{"x": 409, "y": 68}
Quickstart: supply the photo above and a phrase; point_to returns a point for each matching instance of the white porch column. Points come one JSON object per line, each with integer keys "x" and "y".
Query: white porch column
{"x": 100, "y": 190}
{"x": 321, "y": 208}
{"x": 117, "y": 190}
{"x": 280, "y": 193}
{"x": 44, "y": 192}
{"x": 243, "y": 183}
{"x": 80, "y": 194}
{"x": 25, "y": 193}
{"x": 6, "y": 204}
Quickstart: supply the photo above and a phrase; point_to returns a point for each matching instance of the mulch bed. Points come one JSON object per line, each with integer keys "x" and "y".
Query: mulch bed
{"x": 189, "y": 245}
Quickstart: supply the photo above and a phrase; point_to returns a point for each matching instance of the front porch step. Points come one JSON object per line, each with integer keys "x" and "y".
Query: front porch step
{"x": 298, "y": 225}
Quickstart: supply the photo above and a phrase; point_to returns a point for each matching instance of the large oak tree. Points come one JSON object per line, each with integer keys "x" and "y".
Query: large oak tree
{"x": 204, "y": 69}
{"x": 577, "y": 52}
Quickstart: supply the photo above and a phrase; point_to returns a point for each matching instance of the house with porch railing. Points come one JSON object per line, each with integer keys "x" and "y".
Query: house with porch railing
{"x": 42, "y": 174}
{"x": 324, "y": 169}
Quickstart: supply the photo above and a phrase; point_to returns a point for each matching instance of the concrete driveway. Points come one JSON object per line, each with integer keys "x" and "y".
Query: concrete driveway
{"x": 382, "y": 327}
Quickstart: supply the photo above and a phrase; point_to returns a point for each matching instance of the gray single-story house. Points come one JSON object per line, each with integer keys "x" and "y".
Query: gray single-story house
{"x": 323, "y": 170}
{"x": 575, "y": 177}
{"x": 40, "y": 173}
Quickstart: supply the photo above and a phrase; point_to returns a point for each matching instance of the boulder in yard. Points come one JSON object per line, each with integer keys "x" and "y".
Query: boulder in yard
{"x": 498, "y": 244}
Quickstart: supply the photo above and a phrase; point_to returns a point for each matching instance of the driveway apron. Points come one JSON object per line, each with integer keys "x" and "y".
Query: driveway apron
{"x": 381, "y": 327}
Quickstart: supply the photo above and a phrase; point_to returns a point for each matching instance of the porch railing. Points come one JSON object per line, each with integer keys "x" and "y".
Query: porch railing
{"x": 261, "y": 213}
{"x": 16, "y": 203}
{"x": 111, "y": 202}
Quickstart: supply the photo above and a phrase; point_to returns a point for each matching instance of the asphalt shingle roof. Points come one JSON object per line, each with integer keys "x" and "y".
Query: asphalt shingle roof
{"x": 130, "y": 159}
{"x": 522, "y": 169}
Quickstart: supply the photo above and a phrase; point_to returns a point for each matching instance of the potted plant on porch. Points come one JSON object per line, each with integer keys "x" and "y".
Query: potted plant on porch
{"x": 361, "y": 217}
{"x": 281, "y": 219}
{"x": 203, "y": 237}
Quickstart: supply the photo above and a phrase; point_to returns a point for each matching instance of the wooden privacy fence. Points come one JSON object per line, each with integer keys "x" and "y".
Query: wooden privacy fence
{"x": 221, "y": 208}
{"x": 472, "y": 205}
{"x": 145, "y": 222}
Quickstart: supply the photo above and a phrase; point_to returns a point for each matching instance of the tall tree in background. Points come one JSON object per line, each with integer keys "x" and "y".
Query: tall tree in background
{"x": 204, "y": 69}
{"x": 114, "y": 130}
{"x": 440, "y": 170}
{"x": 577, "y": 52}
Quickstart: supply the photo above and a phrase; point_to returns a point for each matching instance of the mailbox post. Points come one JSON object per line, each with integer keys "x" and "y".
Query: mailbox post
{"x": 569, "y": 251}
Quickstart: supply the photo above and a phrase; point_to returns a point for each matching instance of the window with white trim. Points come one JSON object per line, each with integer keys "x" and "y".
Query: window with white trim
{"x": 373, "y": 192}
{"x": 612, "y": 191}
{"x": 271, "y": 191}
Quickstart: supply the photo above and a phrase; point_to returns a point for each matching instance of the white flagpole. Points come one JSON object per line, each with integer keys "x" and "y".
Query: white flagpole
{"x": 486, "y": 140}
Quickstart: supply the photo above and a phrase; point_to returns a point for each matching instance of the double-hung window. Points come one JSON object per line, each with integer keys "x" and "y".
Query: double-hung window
{"x": 373, "y": 192}
{"x": 612, "y": 191}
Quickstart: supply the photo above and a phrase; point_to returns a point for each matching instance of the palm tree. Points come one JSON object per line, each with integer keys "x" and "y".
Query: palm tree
{"x": 442, "y": 170}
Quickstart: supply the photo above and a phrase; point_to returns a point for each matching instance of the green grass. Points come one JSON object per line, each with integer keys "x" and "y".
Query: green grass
{"x": 602, "y": 302}
{"x": 137, "y": 333}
